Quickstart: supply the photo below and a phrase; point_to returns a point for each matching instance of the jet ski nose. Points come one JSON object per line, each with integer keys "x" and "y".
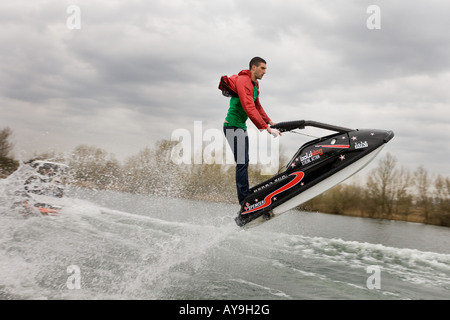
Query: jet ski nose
{"x": 389, "y": 135}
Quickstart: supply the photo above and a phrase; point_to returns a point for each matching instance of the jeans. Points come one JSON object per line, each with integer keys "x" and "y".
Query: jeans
{"x": 238, "y": 140}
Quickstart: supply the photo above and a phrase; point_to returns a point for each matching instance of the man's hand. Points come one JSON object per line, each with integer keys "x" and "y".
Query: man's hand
{"x": 274, "y": 132}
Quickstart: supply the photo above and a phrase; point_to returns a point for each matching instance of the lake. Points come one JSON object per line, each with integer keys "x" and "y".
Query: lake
{"x": 112, "y": 245}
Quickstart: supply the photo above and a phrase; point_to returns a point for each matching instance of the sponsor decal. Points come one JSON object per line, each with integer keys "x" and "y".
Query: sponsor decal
{"x": 361, "y": 145}
{"x": 267, "y": 201}
{"x": 254, "y": 206}
{"x": 284, "y": 176}
{"x": 311, "y": 156}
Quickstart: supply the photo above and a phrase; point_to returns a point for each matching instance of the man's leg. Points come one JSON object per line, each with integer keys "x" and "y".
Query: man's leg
{"x": 238, "y": 141}
{"x": 242, "y": 166}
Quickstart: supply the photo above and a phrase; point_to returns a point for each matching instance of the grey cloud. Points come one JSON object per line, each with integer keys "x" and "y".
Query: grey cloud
{"x": 138, "y": 70}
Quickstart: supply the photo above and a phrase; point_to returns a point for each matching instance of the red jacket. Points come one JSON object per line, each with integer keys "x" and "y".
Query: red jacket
{"x": 243, "y": 85}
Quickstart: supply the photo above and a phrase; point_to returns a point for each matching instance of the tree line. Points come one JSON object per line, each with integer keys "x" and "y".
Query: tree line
{"x": 389, "y": 192}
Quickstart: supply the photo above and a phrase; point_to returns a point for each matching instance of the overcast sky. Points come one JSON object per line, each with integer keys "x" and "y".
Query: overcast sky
{"x": 137, "y": 70}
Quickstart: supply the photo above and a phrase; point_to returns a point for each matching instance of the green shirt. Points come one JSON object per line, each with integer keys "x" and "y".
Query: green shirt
{"x": 236, "y": 115}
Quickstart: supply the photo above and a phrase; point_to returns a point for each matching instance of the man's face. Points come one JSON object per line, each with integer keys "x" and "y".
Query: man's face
{"x": 259, "y": 71}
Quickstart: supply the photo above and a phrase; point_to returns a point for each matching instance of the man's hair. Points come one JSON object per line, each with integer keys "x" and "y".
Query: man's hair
{"x": 256, "y": 61}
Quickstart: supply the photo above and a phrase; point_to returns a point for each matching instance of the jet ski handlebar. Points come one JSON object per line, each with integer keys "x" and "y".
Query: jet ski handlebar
{"x": 301, "y": 124}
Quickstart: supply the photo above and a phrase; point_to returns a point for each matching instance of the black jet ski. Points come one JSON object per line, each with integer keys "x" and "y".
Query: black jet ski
{"x": 316, "y": 167}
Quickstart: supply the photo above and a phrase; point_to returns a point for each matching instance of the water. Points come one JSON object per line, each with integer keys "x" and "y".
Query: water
{"x": 145, "y": 247}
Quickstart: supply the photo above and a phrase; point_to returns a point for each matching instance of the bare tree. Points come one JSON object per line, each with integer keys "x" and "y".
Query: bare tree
{"x": 442, "y": 193}
{"x": 6, "y": 145}
{"x": 422, "y": 183}
{"x": 380, "y": 185}
{"x": 94, "y": 166}
{"x": 403, "y": 200}
{"x": 442, "y": 199}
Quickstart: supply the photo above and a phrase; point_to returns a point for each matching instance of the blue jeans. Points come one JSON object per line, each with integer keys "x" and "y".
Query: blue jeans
{"x": 238, "y": 140}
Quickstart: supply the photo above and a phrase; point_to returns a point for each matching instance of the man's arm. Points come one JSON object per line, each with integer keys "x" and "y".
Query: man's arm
{"x": 261, "y": 111}
{"x": 245, "y": 89}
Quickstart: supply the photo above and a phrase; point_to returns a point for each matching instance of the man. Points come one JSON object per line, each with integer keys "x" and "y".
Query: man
{"x": 244, "y": 104}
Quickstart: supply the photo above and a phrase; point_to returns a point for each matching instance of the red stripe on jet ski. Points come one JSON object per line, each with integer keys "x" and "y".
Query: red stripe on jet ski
{"x": 268, "y": 199}
{"x": 340, "y": 146}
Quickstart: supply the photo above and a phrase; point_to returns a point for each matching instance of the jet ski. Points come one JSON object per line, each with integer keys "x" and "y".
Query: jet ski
{"x": 317, "y": 166}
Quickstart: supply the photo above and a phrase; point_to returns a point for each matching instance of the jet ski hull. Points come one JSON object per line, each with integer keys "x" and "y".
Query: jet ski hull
{"x": 316, "y": 167}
